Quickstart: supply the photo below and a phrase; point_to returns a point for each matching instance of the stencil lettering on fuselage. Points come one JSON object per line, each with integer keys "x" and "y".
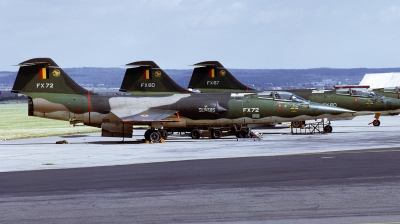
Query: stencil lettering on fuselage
{"x": 251, "y": 110}
{"x": 331, "y": 104}
{"x": 212, "y": 83}
{"x": 44, "y": 85}
{"x": 150, "y": 85}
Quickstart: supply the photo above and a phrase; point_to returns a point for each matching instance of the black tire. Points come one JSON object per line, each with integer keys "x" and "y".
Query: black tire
{"x": 147, "y": 134}
{"x": 155, "y": 136}
{"x": 244, "y": 133}
{"x": 195, "y": 134}
{"x": 216, "y": 133}
{"x": 328, "y": 129}
{"x": 376, "y": 123}
{"x": 164, "y": 134}
{"x": 239, "y": 134}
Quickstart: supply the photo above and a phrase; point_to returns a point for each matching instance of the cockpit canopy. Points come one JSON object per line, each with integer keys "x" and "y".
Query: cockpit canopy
{"x": 361, "y": 92}
{"x": 282, "y": 95}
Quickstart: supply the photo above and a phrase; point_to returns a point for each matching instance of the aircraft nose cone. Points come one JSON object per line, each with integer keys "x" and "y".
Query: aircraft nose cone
{"x": 324, "y": 109}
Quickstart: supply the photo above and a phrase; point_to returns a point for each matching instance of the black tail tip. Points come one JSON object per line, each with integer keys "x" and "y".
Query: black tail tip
{"x": 210, "y": 63}
{"x": 37, "y": 61}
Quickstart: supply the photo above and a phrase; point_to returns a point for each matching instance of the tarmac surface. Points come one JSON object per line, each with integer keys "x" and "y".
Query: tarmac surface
{"x": 349, "y": 176}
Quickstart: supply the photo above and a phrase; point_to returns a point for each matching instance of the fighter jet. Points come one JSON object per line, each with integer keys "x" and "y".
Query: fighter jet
{"x": 148, "y": 78}
{"x": 392, "y": 92}
{"x": 357, "y": 98}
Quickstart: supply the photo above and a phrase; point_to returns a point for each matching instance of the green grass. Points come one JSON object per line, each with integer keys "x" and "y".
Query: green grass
{"x": 16, "y": 124}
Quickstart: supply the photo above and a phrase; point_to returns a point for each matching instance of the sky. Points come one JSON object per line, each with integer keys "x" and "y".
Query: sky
{"x": 243, "y": 34}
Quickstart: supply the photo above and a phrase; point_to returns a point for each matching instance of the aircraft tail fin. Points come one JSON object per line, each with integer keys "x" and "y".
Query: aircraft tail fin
{"x": 212, "y": 76}
{"x": 148, "y": 78}
{"x": 43, "y": 75}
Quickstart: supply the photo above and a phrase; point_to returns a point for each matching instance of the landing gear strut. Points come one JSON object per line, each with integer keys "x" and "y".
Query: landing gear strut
{"x": 376, "y": 122}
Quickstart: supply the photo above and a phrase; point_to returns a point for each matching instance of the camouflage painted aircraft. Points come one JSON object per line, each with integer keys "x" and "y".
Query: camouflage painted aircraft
{"x": 149, "y": 79}
{"x": 392, "y": 92}
{"x": 355, "y": 98}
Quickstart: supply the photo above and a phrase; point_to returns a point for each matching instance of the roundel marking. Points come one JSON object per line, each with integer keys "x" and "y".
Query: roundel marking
{"x": 157, "y": 73}
{"x": 56, "y": 72}
{"x": 222, "y": 72}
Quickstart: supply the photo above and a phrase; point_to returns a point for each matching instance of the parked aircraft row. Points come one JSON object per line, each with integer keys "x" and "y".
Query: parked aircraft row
{"x": 358, "y": 98}
{"x": 212, "y": 76}
{"x": 157, "y": 101}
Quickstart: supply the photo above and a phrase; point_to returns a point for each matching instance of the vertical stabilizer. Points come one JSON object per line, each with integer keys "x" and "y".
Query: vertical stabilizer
{"x": 212, "y": 76}
{"x": 148, "y": 78}
{"x": 42, "y": 75}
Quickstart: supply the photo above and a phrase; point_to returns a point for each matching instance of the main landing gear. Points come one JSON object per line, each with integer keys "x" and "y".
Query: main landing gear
{"x": 155, "y": 135}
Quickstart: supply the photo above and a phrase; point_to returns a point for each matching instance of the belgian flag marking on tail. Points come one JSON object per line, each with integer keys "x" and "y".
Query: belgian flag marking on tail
{"x": 146, "y": 74}
{"x": 43, "y": 73}
{"x": 211, "y": 73}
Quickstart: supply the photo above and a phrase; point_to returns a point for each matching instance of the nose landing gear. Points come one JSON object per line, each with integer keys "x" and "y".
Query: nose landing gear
{"x": 376, "y": 122}
{"x": 328, "y": 128}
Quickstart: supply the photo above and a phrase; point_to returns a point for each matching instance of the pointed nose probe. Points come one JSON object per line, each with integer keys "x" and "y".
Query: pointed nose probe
{"x": 324, "y": 109}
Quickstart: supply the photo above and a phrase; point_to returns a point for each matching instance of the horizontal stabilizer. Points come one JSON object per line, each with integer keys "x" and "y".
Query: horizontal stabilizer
{"x": 216, "y": 64}
{"x": 38, "y": 61}
{"x": 143, "y": 63}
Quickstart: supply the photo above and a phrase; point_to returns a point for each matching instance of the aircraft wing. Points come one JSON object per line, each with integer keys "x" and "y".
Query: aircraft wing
{"x": 150, "y": 115}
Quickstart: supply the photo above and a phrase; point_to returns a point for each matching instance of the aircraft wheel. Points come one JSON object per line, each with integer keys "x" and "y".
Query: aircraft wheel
{"x": 216, "y": 133}
{"x": 328, "y": 129}
{"x": 155, "y": 136}
{"x": 376, "y": 123}
{"x": 239, "y": 134}
{"x": 244, "y": 133}
{"x": 164, "y": 133}
{"x": 195, "y": 134}
{"x": 147, "y": 134}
